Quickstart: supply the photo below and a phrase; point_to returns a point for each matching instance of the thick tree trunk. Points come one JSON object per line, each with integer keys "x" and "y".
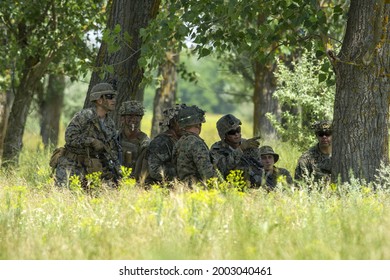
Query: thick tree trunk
{"x": 166, "y": 94}
{"x": 6, "y": 101}
{"x": 50, "y": 110}
{"x": 263, "y": 102}
{"x": 361, "y": 112}
{"x": 16, "y": 124}
{"x": 127, "y": 75}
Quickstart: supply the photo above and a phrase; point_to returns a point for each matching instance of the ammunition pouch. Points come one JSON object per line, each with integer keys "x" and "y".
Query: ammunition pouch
{"x": 93, "y": 165}
{"x": 57, "y": 153}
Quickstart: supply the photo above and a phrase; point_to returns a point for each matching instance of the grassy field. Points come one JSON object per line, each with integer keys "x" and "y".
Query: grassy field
{"x": 39, "y": 221}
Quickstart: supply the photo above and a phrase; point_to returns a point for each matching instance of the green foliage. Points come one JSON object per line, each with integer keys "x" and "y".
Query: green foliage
{"x": 56, "y": 33}
{"x": 307, "y": 96}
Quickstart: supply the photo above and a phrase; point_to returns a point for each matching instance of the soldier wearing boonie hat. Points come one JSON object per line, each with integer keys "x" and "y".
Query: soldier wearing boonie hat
{"x": 315, "y": 164}
{"x": 273, "y": 174}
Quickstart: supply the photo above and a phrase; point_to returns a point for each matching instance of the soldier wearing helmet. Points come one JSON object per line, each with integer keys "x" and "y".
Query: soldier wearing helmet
{"x": 273, "y": 174}
{"x": 132, "y": 139}
{"x": 91, "y": 140}
{"x": 315, "y": 164}
{"x": 234, "y": 153}
{"x": 160, "y": 165}
{"x": 191, "y": 154}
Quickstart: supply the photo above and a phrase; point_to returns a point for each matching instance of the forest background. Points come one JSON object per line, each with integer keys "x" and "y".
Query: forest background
{"x": 303, "y": 54}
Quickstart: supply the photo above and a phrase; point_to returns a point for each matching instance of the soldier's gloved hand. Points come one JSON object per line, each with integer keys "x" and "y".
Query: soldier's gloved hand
{"x": 97, "y": 145}
{"x": 250, "y": 143}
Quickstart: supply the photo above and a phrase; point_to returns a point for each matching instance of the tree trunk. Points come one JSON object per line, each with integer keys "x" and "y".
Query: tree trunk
{"x": 50, "y": 110}
{"x": 13, "y": 141}
{"x": 166, "y": 94}
{"x": 127, "y": 75}
{"x": 263, "y": 102}
{"x": 7, "y": 99}
{"x": 361, "y": 112}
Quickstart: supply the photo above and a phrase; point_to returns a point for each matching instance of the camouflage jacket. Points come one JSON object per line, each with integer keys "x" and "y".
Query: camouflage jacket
{"x": 86, "y": 126}
{"x": 313, "y": 163}
{"x": 79, "y": 155}
{"x": 131, "y": 148}
{"x": 160, "y": 157}
{"x": 192, "y": 158}
{"x": 271, "y": 180}
{"x": 225, "y": 158}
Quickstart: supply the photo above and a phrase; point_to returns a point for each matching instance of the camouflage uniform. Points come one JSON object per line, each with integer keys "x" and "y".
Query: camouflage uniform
{"x": 160, "y": 154}
{"x": 271, "y": 178}
{"x": 193, "y": 158}
{"x": 226, "y": 158}
{"x": 132, "y": 147}
{"x": 313, "y": 163}
{"x": 80, "y": 158}
{"x": 191, "y": 154}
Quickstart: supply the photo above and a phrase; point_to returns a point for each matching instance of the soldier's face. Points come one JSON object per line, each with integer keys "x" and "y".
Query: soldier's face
{"x": 132, "y": 121}
{"x": 233, "y": 136}
{"x": 107, "y": 102}
{"x": 324, "y": 139}
{"x": 268, "y": 162}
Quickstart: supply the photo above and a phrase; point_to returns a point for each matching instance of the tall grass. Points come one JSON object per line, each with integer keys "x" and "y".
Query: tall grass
{"x": 40, "y": 221}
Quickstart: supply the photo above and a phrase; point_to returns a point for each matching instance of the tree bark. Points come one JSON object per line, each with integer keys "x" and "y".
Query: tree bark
{"x": 6, "y": 101}
{"x": 361, "y": 110}
{"x": 263, "y": 102}
{"x": 13, "y": 141}
{"x": 166, "y": 94}
{"x": 127, "y": 75}
{"x": 50, "y": 110}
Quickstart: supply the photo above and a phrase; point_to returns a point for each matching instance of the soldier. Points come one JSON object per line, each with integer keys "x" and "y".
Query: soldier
{"x": 132, "y": 139}
{"x": 91, "y": 140}
{"x": 316, "y": 162}
{"x": 191, "y": 154}
{"x": 160, "y": 161}
{"x": 234, "y": 153}
{"x": 272, "y": 173}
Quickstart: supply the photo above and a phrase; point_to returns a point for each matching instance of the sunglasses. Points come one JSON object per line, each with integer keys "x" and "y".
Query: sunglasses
{"x": 322, "y": 134}
{"x": 234, "y": 131}
{"x": 109, "y": 96}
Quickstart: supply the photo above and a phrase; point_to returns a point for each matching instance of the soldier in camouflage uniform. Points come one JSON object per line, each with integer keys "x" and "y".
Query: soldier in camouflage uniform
{"x": 132, "y": 139}
{"x": 191, "y": 154}
{"x": 235, "y": 153}
{"x": 272, "y": 173}
{"x": 160, "y": 155}
{"x": 316, "y": 162}
{"x": 91, "y": 140}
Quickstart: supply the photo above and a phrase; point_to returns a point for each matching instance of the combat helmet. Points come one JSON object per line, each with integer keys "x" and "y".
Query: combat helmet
{"x": 101, "y": 89}
{"x": 132, "y": 107}
{"x": 322, "y": 126}
{"x": 190, "y": 115}
{"x": 227, "y": 123}
{"x": 170, "y": 114}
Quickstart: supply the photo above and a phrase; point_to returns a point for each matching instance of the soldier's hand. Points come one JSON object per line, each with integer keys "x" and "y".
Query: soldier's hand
{"x": 97, "y": 145}
{"x": 251, "y": 143}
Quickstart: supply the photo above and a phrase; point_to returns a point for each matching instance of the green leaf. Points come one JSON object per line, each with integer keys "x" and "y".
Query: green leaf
{"x": 321, "y": 77}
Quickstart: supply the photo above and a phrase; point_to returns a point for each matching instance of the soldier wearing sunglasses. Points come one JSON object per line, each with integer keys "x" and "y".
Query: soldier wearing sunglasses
{"x": 315, "y": 164}
{"x": 91, "y": 140}
{"x": 234, "y": 153}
